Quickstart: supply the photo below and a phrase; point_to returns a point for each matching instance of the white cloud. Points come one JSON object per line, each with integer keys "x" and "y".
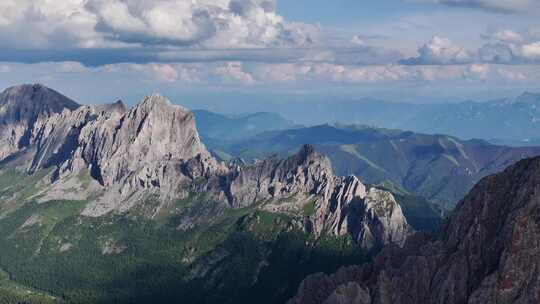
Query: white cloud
{"x": 531, "y": 51}
{"x": 510, "y": 53}
{"x": 477, "y": 71}
{"x": 327, "y": 72}
{"x": 171, "y": 73}
{"x": 498, "y": 53}
{"x": 165, "y": 72}
{"x": 115, "y": 23}
{"x": 504, "y": 35}
{"x": 511, "y": 75}
{"x": 440, "y": 50}
{"x": 46, "y": 24}
{"x": 234, "y": 72}
{"x": 5, "y": 69}
{"x": 503, "y": 47}
{"x": 358, "y": 40}
{"x": 71, "y": 67}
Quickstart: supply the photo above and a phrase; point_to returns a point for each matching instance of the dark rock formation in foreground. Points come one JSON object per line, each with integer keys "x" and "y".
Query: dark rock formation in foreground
{"x": 488, "y": 252}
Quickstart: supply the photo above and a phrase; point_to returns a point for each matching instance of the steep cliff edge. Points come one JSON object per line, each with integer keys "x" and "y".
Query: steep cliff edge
{"x": 486, "y": 253}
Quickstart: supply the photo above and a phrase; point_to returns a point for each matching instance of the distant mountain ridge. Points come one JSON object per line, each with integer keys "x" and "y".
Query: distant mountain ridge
{"x": 509, "y": 119}
{"x": 439, "y": 167}
{"x": 213, "y": 126}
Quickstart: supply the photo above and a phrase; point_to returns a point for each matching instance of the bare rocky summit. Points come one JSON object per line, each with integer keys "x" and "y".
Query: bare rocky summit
{"x": 118, "y": 159}
{"x": 340, "y": 205}
{"x": 486, "y": 253}
{"x": 21, "y": 108}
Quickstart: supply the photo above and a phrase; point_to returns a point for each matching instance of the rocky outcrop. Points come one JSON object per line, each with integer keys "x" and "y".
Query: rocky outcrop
{"x": 142, "y": 139}
{"x": 153, "y": 152}
{"x": 340, "y": 205}
{"x": 129, "y": 153}
{"x": 486, "y": 253}
{"x": 21, "y": 108}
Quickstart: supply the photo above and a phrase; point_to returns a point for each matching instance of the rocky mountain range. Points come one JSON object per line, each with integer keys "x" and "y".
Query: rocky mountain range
{"x": 130, "y": 190}
{"x": 154, "y": 149}
{"x": 487, "y": 252}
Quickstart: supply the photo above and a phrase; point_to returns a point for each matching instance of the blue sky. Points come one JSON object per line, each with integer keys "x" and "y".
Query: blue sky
{"x": 345, "y": 13}
{"x": 207, "y": 53}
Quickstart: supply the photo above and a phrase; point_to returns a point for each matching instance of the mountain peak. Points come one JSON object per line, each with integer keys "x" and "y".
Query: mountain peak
{"x": 23, "y": 107}
{"x": 38, "y": 97}
{"x": 120, "y": 103}
{"x": 306, "y": 151}
{"x": 158, "y": 101}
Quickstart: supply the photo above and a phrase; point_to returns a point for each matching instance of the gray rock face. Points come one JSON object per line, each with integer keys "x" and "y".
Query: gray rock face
{"x": 154, "y": 150}
{"x": 486, "y": 253}
{"x": 118, "y": 144}
{"x": 21, "y": 108}
{"x": 341, "y": 206}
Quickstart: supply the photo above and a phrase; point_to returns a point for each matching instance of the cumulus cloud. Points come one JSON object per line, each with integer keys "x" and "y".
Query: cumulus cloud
{"x": 46, "y": 24}
{"x": 508, "y": 74}
{"x": 233, "y": 72}
{"x": 498, "y": 53}
{"x": 217, "y": 23}
{"x": 71, "y": 67}
{"x": 531, "y": 51}
{"x": 171, "y": 73}
{"x": 510, "y": 53}
{"x": 165, "y": 72}
{"x": 504, "y": 36}
{"x": 477, "y": 71}
{"x": 440, "y": 50}
{"x": 121, "y": 23}
{"x": 358, "y": 40}
{"x": 327, "y": 72}
{"x": 503, "y": 47}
